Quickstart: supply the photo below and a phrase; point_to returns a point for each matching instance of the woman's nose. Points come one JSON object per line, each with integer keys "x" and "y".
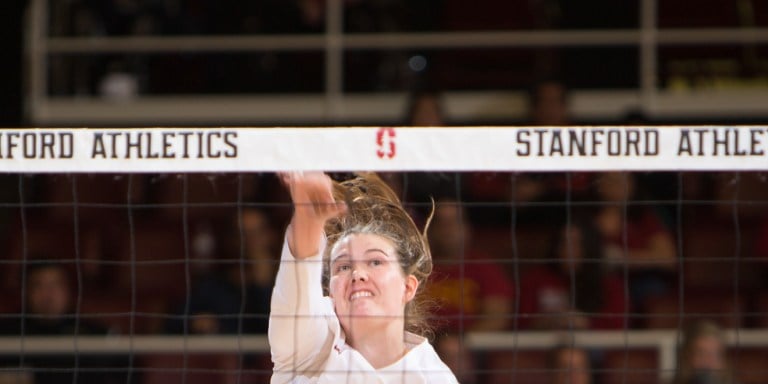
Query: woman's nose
{"x": 358, "y": 275}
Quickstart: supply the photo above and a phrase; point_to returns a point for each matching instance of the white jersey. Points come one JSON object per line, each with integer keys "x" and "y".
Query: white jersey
{"x": 308, "y": 345}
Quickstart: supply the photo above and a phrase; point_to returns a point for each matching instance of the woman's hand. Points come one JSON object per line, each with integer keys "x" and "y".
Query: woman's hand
{"x": 312, "y": 196}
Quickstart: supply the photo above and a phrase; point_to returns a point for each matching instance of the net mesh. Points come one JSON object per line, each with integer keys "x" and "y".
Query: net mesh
{"x": 539, "y": 276}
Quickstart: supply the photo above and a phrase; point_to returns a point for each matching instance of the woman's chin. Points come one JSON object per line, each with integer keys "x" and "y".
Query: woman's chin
{"x": 365, "y": 319}
{"x": 362, "y": 314}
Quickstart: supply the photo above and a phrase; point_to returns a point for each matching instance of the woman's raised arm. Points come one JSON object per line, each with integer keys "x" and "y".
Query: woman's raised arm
{"x": 313, "y": 202}
{"x": 302, "y": 323}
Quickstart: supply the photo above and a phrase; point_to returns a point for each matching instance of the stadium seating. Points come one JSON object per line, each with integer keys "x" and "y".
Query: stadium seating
{"x": 634, "y": 366}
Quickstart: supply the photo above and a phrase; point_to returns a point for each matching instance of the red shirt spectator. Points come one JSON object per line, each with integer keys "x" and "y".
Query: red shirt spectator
{"x": 461, "y": 287}
{"x": 545, "y": 291}
{"x": 471, "y": 291}
{"x": 635, "y": 239}
{"x": 648, "y": 243}
{"x": 572, "y": 290}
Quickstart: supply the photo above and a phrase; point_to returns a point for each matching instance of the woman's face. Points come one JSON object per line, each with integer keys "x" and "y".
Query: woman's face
{"x": 707, "y": 354}
{"x": 367, "y": 283}
{"x": 48, "y": 293}
{"x": 572, "y": 367}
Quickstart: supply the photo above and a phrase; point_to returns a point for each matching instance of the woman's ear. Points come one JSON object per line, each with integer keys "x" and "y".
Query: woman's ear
{"x": 411, "y": 286}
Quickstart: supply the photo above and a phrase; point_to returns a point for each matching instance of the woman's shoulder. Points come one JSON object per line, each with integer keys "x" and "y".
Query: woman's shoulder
{"x": 423, "y": 358}
{"x": 418, "y": 347}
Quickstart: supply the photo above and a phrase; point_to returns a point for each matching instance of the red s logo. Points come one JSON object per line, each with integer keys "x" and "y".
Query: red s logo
{"x": 385, "y": 141}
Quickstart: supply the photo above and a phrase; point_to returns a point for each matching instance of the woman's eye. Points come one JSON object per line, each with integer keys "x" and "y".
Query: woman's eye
{"x": 376, "y": 262}
{"x": 342, "y": 268}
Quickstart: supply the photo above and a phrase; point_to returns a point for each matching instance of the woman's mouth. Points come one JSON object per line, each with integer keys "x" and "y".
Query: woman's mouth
{"x": 358, "y": 294}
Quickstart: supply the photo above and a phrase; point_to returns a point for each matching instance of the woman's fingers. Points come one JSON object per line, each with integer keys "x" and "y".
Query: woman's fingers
{"x": 325, "y": 206}
{"x": 313, "y": 193}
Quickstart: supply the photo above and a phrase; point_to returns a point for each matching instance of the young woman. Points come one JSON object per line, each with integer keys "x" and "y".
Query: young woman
{"x": 354, "y": 241}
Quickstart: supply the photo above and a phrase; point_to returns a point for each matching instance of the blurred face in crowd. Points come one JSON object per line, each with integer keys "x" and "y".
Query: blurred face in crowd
{"x": 572, "y": 367}
{"x": 426, "y": 112}
{"x": 48, "y": 292}
{"x": 707, "y": 354}
{"x": 449, "y": 230}
{"x": 570, "y": 250}
{"x": 550, "y": 106}
{"x": 257, "y": 231}
{"x": 616, "y": 186}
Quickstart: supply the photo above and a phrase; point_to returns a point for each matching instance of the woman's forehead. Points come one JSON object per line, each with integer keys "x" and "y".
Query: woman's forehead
{"x": 358, "y": 243}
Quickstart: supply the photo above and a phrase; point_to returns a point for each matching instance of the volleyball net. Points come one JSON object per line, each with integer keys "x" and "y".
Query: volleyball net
{"x": 148, "y": 255}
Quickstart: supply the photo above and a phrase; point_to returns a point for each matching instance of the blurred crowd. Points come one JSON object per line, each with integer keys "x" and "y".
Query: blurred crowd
{"x": 302, "y": 71}
{"x": 196, "y": 254}
{"x": 275, "y": 71}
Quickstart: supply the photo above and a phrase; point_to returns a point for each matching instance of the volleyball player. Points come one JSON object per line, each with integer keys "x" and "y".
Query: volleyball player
{"x": 355, "y": 241}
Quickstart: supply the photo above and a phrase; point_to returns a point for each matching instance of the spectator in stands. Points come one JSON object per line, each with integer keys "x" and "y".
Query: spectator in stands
{"x": 472, "y": 291}
{"x": 635, "y": 237}
{"x": 570, "y": 365}
{"x": 549, "y": 103}
{"x": 571, "y": 290}
{"x": 236, "y": 299}
{"x": 548, "y": 106}
{"x": 425, "y": 109}
{"x": 702, "y": 356}
{"x": 49, "y": 312}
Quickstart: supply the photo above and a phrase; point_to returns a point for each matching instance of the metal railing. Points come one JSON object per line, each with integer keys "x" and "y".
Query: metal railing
{"x": 665, "y": 342}
{"x": 334, "y": 43}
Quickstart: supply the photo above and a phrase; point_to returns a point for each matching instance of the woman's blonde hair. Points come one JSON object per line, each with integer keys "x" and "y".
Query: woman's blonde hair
{"x": 373, "y": 208}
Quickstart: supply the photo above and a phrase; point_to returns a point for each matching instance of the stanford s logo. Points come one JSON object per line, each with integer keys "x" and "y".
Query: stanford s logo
{"x": 385, "y": 142}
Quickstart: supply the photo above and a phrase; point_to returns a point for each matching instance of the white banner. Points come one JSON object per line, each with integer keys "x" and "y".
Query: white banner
{"x": 598, "y": 148}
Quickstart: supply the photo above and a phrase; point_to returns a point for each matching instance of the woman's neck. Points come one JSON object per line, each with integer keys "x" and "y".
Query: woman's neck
{"x": 380, "y": 346}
